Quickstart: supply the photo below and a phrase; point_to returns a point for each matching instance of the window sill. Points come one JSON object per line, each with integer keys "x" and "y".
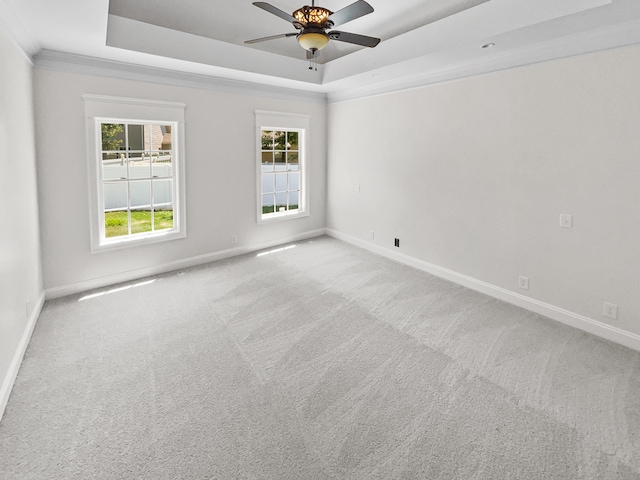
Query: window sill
{"x": 130, "y": 242}
{"x": 280, "y": 217}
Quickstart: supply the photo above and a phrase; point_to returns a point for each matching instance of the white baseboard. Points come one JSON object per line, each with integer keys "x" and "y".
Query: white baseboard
{"x": 130, "y": 275}
{"x": 12, "y": 373}
{"x": 600, "y": 329}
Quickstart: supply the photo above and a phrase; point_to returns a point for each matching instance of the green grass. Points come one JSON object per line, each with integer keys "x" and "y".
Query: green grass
{"x": 116, "y": 222}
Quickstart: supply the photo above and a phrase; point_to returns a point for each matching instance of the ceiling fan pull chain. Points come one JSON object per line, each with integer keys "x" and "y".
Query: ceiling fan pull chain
{"x": 313, "y": 62}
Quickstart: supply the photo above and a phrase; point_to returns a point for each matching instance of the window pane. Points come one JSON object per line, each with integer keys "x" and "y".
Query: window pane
{"x": 140, "y": 221}
{"x": 267, "y": 140}
{"x": 281, "y": 202}
{"x": 167, "y": 138}
{"x": 267, "y": 161}
{"x": 292, "y": 161}
{"x": 139, "y": 165}
{"x": 267, "y": 203}
{"x": 280, "y": 161}
{"x": 294, "y": 180}
{"x": 116, "y": 223}
{"x": 163, "y": 217}
{"x": 157, "y": 137}
{"x": 268, "y": 183}
{"x": 162, "y": 191}
{"x": 136, "y": 137}
{"x": 281, "y": 182}
{"x": 280, "y": 140}
{"x": 135, "y": 175}
{"x": 115, "y": 196}
{"x": 294, "y": 200}
{"x": 292, "y": 140}
{"x": 112, "y": 136}
{"x": 162, "y": 165}
{"x": 140, "y": 194}
{"x": 114, "y": 166}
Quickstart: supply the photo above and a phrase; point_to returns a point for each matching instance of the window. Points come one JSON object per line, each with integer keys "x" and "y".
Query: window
{"x": 136, "y": 165}
{"x": 282, "y": 177}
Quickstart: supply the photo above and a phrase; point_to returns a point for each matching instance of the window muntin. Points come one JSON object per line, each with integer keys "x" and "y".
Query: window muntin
{"x": 280, "y": 171}
{"x": 282, "y": 191}
{"x": 137, "y": 178}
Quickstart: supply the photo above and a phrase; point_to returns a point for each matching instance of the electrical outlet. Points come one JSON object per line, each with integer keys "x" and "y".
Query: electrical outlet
{"x": 371, "y": 235}
{"x": 610, "y": 310}
{"x": 523, "y": 283}
{"x": 397, "y": 242}
{"x": 234, "y": 239}
{"x": 357, "y": 188}
{"x": 566, "y": 220}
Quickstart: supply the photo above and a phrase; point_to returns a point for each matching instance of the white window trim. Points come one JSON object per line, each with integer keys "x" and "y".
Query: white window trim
{"x": 283, "y": 121}
{"x": 102, "y": 108}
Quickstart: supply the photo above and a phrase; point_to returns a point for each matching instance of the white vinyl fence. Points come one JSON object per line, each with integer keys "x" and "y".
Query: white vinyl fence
{"x": 140, "y": 191}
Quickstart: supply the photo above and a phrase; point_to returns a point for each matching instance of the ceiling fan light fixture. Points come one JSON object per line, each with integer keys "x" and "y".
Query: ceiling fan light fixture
{"x": 316, "y": 16}
{"x": 313, "y": 25}
{"x": 313, "y": 41}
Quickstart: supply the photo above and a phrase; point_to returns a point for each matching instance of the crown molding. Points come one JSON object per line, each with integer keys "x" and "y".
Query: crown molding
{"x": 14, "y": 30}
{"x": 607, "y": 38}
{"x": 83, "y": 65}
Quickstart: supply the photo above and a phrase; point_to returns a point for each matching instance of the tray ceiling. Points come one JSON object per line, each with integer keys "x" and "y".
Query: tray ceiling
{"x": 239, "y": 21}
{"x": 422, "y": 40}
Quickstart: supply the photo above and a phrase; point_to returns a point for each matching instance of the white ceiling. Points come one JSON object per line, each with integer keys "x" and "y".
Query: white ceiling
{"x": 422, "y": 40}
{"x": 244, "y": 21}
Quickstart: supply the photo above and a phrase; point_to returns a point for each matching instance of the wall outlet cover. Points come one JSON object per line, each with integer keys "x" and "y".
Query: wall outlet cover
{"x": 523, "y": 283}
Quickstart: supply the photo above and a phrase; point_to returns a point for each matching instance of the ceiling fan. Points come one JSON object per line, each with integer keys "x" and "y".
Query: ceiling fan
{"x": 313, "y": 23}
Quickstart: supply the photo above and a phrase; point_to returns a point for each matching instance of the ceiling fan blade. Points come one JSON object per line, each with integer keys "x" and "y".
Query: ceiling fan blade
{"x": 272, "y": 37}
{"x": 354, "y": 38}
{"x": 276, "y": 11}
{"x": 351, "y": 12}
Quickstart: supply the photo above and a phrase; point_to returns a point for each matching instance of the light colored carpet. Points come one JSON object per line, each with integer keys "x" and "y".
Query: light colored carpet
{"x": 318, "y": 361}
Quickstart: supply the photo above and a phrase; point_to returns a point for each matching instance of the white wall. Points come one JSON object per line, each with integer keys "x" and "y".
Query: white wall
{"x": 472, "y": 176}
{"x": 20, "y": 269}
{"x": 220, "y": 165}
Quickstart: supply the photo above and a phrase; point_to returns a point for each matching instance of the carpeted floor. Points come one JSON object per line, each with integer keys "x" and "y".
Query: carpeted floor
{"x": 315, "y": 361}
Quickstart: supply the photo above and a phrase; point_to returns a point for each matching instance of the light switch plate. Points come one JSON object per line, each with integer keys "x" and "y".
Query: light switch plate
{"x": 610, "y": 310}
{"x": 566, "y": 220}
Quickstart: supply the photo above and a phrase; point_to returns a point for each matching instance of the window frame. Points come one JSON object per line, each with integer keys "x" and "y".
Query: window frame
{"x": 101, "y": 109}
{"x": 279, "y": 121}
